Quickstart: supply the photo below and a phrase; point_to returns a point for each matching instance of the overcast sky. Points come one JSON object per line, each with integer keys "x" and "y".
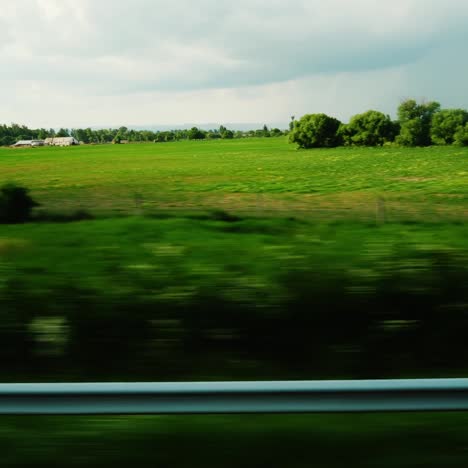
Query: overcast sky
{"x": 145, "y": 62}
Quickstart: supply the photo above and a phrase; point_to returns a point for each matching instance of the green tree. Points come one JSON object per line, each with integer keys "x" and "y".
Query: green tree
{"x": 63, "y": 132}
{"x": 196, "y": 134}
{"x": 446, "y": 124}
{"x": 415, "y": 122}
{"x": 461, "y": 136}
{"x": 225, "y": 133}
{"x": 276, "y": 132}
{"x": 316, "y": 131}
{"x": 372, "y": 128}
{"x": 291, "y": 124}
{"x": 42, "y": 134}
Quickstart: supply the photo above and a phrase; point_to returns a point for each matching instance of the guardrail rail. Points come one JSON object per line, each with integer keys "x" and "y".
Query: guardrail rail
{"x": 235, "y": 397}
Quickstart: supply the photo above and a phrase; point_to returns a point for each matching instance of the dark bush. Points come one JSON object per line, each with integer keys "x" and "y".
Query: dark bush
{"x": 221, "y": 215}
{"x": 15, "y": 204}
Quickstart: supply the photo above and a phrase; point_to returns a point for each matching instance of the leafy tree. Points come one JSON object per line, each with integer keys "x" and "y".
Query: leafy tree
{"x": 461, "y": 136}
{"x": 291, "y": 124}
{"x": 227, "y": 135}
{"x": 316, "y": 131}
{"x": 372, "y": 128}
{"x": 15, "y": 204}
{"x": 63, "y": 132}
{"x": 42, "y": 134}
{"x": 412, "y": 133}
{"x": 196, "y": 134}
{"x": 415, "y": 122}
{"x": 446, "y": 123}
{"x": 276, "y": 132}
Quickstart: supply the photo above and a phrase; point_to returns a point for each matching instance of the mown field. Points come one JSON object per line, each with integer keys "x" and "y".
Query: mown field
{"x": 260, "y": 176}
{"x": 240, "y": 259}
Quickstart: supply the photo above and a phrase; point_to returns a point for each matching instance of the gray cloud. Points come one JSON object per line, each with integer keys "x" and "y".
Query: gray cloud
{"x": 144, "y": 45}
{"x": 114, "y": 48}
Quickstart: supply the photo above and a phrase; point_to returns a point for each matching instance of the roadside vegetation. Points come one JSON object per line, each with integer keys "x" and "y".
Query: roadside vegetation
{"x": 251, "y": 441}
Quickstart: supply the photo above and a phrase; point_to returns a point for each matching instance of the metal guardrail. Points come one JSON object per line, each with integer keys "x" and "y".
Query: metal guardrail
{"x": 235, "y": 397}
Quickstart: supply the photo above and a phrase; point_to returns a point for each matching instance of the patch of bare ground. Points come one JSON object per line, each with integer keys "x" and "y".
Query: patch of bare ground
{"x": 413, "y": 179}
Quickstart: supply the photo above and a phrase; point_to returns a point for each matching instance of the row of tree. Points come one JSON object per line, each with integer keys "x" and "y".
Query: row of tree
{"x": 11, "y": 134}
{"x": 418, "y": 124}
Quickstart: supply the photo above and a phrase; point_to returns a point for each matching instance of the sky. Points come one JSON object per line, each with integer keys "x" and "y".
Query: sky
{"x": 77, "y": 63}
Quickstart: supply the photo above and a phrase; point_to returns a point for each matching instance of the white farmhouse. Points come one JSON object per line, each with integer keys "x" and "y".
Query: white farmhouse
{"x": 61, "y": 141}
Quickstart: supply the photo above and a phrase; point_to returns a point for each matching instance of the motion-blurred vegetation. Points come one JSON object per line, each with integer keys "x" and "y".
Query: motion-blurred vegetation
{"x": 15, "y": 204}
{"x": 252, "y": 441}
{"x": 221, "y": 298}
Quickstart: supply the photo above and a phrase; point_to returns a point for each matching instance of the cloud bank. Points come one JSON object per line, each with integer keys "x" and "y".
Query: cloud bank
{"x": 198, "y": 61}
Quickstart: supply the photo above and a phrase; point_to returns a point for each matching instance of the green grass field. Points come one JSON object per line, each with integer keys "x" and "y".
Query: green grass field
{"x": 257, "y": 176}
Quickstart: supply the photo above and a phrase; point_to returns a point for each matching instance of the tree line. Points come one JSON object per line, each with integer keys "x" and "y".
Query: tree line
{"x": 14, "y": 132}
{"x": 418, "y": 124}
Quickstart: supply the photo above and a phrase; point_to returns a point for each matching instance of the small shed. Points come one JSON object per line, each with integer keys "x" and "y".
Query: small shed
{"x": 28, "y": 143}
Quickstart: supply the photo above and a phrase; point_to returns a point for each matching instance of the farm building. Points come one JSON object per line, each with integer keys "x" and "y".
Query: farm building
{"x": 61, "y": 141}
{"x": 28, "y": 143}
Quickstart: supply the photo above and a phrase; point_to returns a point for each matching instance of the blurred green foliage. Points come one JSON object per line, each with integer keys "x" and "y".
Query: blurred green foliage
{"x": 222, "y": 297}
{"x": 355, "y": 440}
{"x": 16, "y": 204}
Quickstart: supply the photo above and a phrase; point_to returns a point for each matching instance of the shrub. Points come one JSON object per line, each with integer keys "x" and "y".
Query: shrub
{"x": 446, "y": 124}
{"x": 461, "y": 136}
{"x": 15, "y": 204}
{"x": 196, "y": 134}
{"x": 316, "y": 131}
{"x": 371, "y": 128}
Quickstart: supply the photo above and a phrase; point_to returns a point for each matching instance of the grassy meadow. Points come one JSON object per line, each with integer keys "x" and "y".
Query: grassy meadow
{"x": 256, "y": 176}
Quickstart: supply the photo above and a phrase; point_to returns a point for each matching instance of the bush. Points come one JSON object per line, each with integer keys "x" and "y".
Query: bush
{"x": 15, "y": 204}
{"x": 372, "y": 128}
{"x": 446, "y": 124}
{"x": 196, "y": 134}
{"x": 316, "y": 131}
{"x": 461, "y": 137}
